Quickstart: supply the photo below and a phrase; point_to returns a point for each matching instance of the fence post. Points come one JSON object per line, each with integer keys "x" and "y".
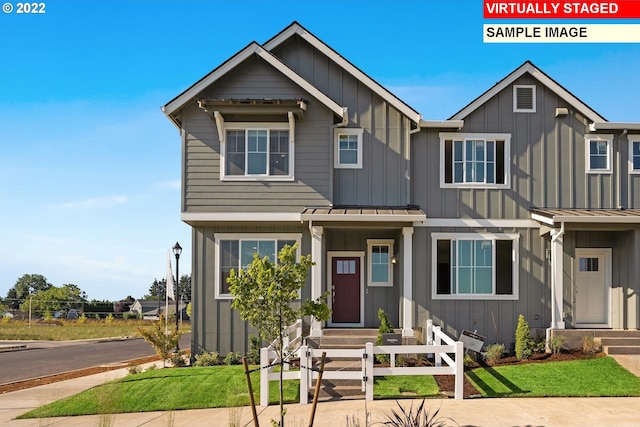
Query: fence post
{"x": 459, "y": 371}
{"x": 264, "y": 376}
{"x": 429, "y": 340}
{"x": 437, "y": 342}
{"x": 369, "y": 371}
{"x": 305, "y": 368}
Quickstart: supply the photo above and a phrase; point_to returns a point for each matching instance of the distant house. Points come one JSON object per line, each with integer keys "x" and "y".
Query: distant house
{"x": 149, "y": 309}
{"x": 15, "y": 314}
{"x": 526, "y": 201}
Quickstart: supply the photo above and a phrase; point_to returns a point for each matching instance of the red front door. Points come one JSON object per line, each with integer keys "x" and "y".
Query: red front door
{"x": 345, "y": 283}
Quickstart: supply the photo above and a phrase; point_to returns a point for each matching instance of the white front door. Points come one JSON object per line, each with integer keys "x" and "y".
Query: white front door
{"x": 593, "y": 287}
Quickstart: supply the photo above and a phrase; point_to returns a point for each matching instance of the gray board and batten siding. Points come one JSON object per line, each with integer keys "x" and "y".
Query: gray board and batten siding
{"x": 384, "y": 177}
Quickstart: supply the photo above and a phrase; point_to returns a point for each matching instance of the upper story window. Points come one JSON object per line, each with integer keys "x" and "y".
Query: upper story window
{"x": 598, "y": 153}
{"x": 474, "y": 160}
{"x": 257, "y": 152}
{"x": 634, "y": 154}
{"x": 380, "y": 255}
{"x": 475, "y": 266}
{"x": 524, "y": 98}
{"x": 236, "y": 251}
{"x": 348, "y": 148}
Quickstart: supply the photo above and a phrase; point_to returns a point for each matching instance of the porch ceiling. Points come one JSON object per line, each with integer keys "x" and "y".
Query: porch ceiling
{"x": 364, "y": 214}
{"x": 552, "y": 216}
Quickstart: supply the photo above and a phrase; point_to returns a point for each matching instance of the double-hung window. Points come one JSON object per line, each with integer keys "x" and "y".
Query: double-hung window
{"x": 475, "y": 266}
{"x": 260, "y": 151}
{"x": 598, "y": 153}
{"x": 634, "y": 154}
{"x": 380, "y": 263}
{"x": 474, "y": 160}
{"x": 236, "y": 252}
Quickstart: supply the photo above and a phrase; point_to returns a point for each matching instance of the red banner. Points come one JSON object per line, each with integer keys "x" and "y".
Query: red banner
{"x": 537, "y": 9}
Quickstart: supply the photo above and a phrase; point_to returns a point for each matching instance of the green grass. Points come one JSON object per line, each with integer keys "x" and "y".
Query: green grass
{"x": 225, "y": 386}
{"x": 580, "y": 378}
{"x": 167, "y": 390}
{"x": 73, "y": 329}
{"x": 405, "y": 386}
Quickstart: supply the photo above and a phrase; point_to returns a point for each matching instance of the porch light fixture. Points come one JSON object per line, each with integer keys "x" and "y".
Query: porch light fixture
{"x": 177, "y": 250}
{"x": 394, "y": 259}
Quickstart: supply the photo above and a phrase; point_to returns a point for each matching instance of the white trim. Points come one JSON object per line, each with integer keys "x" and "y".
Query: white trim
{"x": 337, "y": 254}
{"x": 480, "y": 223}
{"x": 607, "y": 283}
{"x": 240, "y": 216}
{"x": 359, "y": 132}
{"x": 233, "y": 62}
{"x": 379, "y": 242}
{"x": 246, "y": 126}
{"x": 528, "y": 67}
{"x": 632, "y": 139}
{"x": 442, "y": 124}
{"x": 317, "y": 239}
{"x": 217, "y": 237}
{"x": 363, "y": 218}
{"x": 295, "y": 28}
{"x": 515, "y": 99}
{"x": 614, "y": 126}
{"x": 542, "y": 218}
{"x": 515, "y": 259}
{"x": 608, "y": 138}
{"x": 506, "y": 137}
{"x": 407, "y": 282}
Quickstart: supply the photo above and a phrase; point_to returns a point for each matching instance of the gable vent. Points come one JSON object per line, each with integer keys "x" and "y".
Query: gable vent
{"x": 524, "y": 99}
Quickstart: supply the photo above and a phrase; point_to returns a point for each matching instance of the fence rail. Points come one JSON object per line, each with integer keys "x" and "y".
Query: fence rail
{"x": 448, "y": 360}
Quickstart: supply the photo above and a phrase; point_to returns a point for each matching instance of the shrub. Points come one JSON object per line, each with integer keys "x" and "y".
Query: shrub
{"x": 493, "y": 354}
{"x": 151, "y": 368}
{"x": 385, "y": 327}
{"x": 467, "y": 361}
{"x": 232, "y": 358}
{"x": 253, "y": 355}
{"x": 82, "y": 319}
{"x": 109, "y": 319}
{"x": 129, "y": 315}
{"x": 420, "y": 418}
{"x": 207, "y": 359}
{"x": 524, "y": 343}
{"x": 133, "y": 370}
{"x": 178, "y": 360}
{"x": 589, "y": 345}
{"x": 557, "y": 343}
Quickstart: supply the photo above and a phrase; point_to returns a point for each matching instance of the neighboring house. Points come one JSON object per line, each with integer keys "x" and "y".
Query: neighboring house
{"x": 149, "y": 308}
{"x": 511, "y": 206}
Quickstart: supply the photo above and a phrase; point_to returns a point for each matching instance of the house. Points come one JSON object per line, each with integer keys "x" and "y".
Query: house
{"x": 149, "y": 308}
{"x": 523, "y": 202}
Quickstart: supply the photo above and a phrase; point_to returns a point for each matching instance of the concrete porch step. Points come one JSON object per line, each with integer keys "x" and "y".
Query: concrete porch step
{"x": 619, "y": 341}
{"x": 616, "y": 333}
{"x": 621, "y": 349}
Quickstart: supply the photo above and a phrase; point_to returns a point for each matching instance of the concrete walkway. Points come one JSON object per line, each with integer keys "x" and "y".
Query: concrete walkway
{"x": 623, "y": 411}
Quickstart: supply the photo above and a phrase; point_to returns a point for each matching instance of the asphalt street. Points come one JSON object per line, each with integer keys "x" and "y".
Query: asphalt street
{"x": 43, "y": 358}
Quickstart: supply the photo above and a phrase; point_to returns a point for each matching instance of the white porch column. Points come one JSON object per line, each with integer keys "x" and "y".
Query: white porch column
{"x": 316, "y": 273}
{"x": 557, "y": 283}
{"x": 407, "y": 281}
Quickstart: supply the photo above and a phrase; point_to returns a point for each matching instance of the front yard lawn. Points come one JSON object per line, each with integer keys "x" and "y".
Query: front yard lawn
{"x": 225, "y": 386}
{"x": 579, "y": 378}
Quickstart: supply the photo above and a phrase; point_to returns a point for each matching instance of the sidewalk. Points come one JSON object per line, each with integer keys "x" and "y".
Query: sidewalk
{"x": 547, "y": 412}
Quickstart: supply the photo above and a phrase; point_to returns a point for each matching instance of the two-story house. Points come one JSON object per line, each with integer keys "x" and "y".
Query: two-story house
{"x": 511, "y": 206}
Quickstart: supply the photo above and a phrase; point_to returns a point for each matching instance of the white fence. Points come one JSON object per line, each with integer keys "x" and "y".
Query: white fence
{"x": 448, "y": 360}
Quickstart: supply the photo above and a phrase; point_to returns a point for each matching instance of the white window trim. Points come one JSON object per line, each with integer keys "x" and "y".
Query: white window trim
{"x": 587, "y": 153}
{"x": 515, "y": 99}
{"x": 632, "y": 139}
{"x": 515, "y": 258}
{"x": 225, "y": 126}
{"x": 217, "y": 237}
{"x": 379, "y": 242}
{"x": 506, "y": 137}
{"x": 359, "y": 132}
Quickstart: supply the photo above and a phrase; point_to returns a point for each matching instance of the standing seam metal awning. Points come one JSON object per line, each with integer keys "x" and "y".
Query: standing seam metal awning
{"x": 364, "y": 214}
{"x": 599, "y": 216}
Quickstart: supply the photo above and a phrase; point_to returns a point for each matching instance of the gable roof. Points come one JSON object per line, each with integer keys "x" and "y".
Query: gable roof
{"x": 296, "y": 29}
{"x": 252, "y": 49}
{"x": 535, "y": 72}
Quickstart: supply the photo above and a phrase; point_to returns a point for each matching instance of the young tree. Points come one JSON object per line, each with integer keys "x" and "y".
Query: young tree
{"x": 163, "y": 342}
{"x": 264, "y": 294}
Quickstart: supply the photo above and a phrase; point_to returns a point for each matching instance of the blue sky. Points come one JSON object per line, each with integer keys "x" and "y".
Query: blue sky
{"x": 90, "y": 166}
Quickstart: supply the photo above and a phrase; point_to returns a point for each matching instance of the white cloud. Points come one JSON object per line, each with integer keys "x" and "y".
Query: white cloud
{"x": 95, "y": 202}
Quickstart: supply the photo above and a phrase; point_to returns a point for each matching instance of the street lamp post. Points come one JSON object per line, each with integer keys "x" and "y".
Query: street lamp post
{"x": 177, "y": 250}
